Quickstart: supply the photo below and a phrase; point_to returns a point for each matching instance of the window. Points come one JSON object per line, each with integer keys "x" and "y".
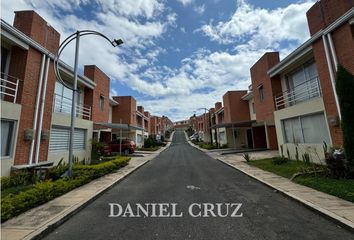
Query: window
{"x": 302, "y": 82}
{"x": 7, "y": 137}
{"x": 60, "y": 138}
{"x": 102, "y": 103}
{"x": 261, "y": 93}
{"x": 4, "y": 61}
{"x": 253, "y": 108}
{"x": 63, "y": 98}
{"x": 306, "y": 129}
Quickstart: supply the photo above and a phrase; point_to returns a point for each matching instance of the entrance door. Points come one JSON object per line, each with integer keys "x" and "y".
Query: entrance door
{"x": 249, "y": 138}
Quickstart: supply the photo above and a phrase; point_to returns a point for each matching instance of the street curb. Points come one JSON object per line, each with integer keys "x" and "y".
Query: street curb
{"x": 323, "y": 212}
{"x": 45, "y": 230}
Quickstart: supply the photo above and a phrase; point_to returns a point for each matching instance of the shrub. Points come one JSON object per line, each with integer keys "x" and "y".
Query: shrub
{"x": 306, "y": 158}
{"x": 279, "y": 160}
{"x": 19, "y": 178}
{"x": 336, "y": 162}
{"x": 247, "y": 157}
{"x": 345, "y": 89}
{"x": 41, "y": 192}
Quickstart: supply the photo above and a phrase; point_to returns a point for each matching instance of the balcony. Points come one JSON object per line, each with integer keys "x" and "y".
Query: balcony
{"x": 9, "y": 88}
{"x": 63, "y": 105}
{"x": 300, "y": 93}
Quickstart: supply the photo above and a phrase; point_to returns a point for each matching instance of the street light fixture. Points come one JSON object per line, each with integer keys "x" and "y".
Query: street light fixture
{"x": 76, "y": 35}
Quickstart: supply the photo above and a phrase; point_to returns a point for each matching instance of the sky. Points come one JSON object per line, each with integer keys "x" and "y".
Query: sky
{"x": 178, "y": 55}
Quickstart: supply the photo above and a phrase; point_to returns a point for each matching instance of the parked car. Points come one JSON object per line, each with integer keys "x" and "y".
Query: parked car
{"x": 194, "y": 137}
{"x": 128, "y": 147}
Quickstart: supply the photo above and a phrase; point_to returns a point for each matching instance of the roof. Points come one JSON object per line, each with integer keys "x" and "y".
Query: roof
{"x": 307, "y": 46}
{"x": 24, "y": 41}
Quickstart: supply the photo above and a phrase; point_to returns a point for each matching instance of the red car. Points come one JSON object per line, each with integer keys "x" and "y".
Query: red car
{"x": 128, "y": 147}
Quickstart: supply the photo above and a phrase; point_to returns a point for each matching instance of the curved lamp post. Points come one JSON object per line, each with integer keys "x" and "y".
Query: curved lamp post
{"x": 69, "y": 39}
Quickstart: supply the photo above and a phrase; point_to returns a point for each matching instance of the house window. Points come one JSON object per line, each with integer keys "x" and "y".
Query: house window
{"x": 306, "y": 129}
{"x": 60, "y": 138}
{"x": 261, "y": 93}
{"x": 63, "y": 98}
{"x": 253, "y": 108}
{"x": 102, "y": 103}
{"x": 303, "y": 82}
{"x": 7, "y": 137}
{"x": 4, "y": 61}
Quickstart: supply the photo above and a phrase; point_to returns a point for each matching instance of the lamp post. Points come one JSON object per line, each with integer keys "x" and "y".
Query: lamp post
{"x": 205, "y": 123}
{"x": 69, "y": 39}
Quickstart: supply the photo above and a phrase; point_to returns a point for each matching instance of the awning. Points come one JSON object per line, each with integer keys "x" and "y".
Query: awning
{"x": 121, "y": 126}
{"x": 234, "y": 124}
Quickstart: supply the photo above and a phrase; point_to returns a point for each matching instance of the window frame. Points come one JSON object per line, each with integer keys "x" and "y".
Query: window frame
{"x": 261, "y": 93}
{"x": 12, "y": 140}
{"x": 299, "y": 118}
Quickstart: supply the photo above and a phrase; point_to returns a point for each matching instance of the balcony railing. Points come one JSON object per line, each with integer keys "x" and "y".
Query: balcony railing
{"x": 9, "y": 88}
{"x": 63, "y": 105}
{"x": 300, "y": 93}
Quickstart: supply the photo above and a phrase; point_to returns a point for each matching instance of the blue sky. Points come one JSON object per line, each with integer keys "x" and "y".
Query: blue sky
{"x": 178, "y": 55}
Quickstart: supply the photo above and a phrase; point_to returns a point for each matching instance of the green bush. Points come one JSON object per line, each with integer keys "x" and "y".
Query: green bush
{"x": 41, "y": 192}
{"x": 279, "y": 160}
{"x": 345, "y": 89}
{"x": 19, "y": 178}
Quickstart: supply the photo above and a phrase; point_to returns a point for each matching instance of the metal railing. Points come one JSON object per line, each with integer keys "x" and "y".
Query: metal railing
{"x": 63, "y": 105}
{"x": 300, "y": 93}
{"x": 9, "y": 88}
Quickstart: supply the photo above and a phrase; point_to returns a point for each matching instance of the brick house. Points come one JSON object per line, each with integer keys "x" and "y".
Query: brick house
{"x": 132, "y": 120}
{"x": 260, "y": 97}
{"x": 35, "y": 107}
{"x": 306, "y": 111}
{"x": 232, "y": 123}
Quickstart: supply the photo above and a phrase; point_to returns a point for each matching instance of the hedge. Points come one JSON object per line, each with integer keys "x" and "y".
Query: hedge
{"x": 44, "y": 191}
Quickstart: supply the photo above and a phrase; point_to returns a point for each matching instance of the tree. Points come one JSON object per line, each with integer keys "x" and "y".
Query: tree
{"x": 345, "y": 92}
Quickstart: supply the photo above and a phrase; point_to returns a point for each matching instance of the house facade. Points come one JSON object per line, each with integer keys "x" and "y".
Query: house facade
{"x": 307, "y": 110}
{"x": 35, "y": 107}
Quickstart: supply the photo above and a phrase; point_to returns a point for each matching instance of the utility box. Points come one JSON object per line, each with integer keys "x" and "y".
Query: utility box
{"x": 45, "y": 135}
{"x": 29, "y": 134}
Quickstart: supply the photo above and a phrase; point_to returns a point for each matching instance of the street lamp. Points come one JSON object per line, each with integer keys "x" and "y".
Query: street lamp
{"x": 205, "y": 124}
{"x": 76, "y": 35}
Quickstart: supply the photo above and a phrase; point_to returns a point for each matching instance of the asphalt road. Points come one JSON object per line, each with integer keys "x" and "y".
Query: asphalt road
{"x": 184, "y": 175}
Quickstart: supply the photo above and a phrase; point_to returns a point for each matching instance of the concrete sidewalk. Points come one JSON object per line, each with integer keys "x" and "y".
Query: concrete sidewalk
{"x": 45, "y": 218}
{"x": 330, "y": 206}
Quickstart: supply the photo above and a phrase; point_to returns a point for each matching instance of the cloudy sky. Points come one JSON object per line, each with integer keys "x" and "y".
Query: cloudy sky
{"x": 178, "y": 55}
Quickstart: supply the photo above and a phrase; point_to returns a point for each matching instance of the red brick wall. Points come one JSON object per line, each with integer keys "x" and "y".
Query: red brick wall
{"x": 259, "y": 137}
{"x": 235, "y": 109}
{"x": 272, "y": 137}
{"x": 34, "y": 26}
{"x": 259, "y": 76}
{"x": 92, "y": 97}
{"x": 320, "y": 16}
{"x": 126, "y": 110}
{"x": 325, "y": 12}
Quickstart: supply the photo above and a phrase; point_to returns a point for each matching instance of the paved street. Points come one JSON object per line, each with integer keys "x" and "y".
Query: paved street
{"x": 184, "y": 175}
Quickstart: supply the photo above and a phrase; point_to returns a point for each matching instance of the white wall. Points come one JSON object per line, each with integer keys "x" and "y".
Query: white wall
{"x": 59, "y": 119}
{"x": 312, "y": 106}
{"x": 11, "y": 111}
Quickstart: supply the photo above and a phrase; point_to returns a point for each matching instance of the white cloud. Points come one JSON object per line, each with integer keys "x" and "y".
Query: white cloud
{"x": 200, "y": 9}
{"x": 175, "y": 92}
{"x": 261, "y": 27}
{"x": 185, "y": 2}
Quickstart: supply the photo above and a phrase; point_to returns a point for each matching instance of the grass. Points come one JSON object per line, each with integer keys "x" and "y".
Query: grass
{"x": 150, "y": 149}
{"x": 342, "y": 188}
{"x": 285, "y": 170}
